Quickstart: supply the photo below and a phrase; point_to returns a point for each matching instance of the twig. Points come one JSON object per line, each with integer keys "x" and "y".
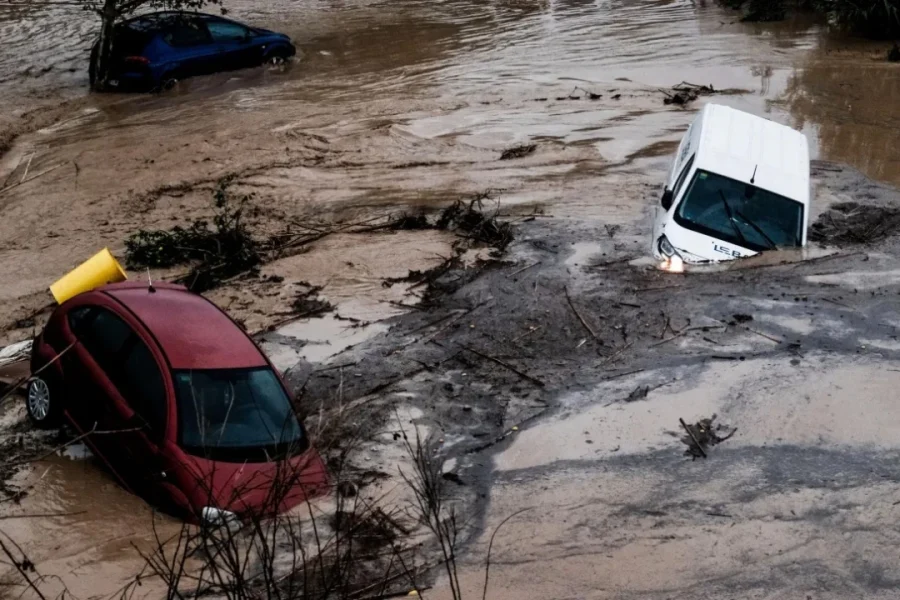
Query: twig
{"x": 677, "y": 335}
{"x": 578, "y": 314}
{"x": 693, "y": 437}
{"x": 838, "y": 303}
{"x": 616, "y": 354}
{"x": 529, "y": 332}
{"x": 534, "y": 264}
{"x": 487, "y": 565}
{"x": 28, "y": 166}
{"x": 32, "y": 178}
{"x": 37, "y": 515}
{"x": 768, "y": 337}
{"x": 333, "y": 367}
{"x": 728, "y": 437}
{"x": 525, "y": 376}
{"x": 507, "y": 433}
{"x": 666, "y": 327}
{"x": 625, "y": 374}
{"x": 404, "y": 305}
{"x": 435, "y": 322}
{"x": 20, "y": 569}
{"x": 661, "y": 287}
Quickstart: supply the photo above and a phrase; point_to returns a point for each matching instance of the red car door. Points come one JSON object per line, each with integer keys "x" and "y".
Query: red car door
{"x": 89, "y": 405}
{"x": 118, "y": 373}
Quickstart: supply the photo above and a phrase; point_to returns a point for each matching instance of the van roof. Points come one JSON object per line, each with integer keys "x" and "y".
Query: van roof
{"x": 735, "y": 144}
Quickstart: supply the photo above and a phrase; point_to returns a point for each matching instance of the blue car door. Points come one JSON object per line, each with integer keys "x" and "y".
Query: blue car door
{"x": 235, "y": 44}
{"x": 193, "y": 51}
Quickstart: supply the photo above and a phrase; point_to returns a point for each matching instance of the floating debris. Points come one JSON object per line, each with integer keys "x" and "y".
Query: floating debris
{"x": 685, "y": 93}
{"x": 638, "y": 393}
{"x": 518, "y": 151}
{"x": 703, "y": 435}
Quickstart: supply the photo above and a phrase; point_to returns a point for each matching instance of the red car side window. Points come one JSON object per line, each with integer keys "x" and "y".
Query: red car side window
{"x": 126, "y": 360}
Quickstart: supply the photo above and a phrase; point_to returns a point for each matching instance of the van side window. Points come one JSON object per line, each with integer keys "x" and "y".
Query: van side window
{"x": 681, "y": 177}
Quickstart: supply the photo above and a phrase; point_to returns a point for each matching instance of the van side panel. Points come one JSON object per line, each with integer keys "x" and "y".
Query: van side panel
{"x": 686, "y": 148}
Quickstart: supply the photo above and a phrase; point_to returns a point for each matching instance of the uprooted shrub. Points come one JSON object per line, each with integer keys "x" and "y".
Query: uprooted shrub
{"x": 471, "y": 219}
{"x": 218, "y": 251}
{"x": 468, "y": 217}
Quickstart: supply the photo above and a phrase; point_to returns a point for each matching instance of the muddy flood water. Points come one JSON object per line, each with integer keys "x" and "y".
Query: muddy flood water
{"x": 407, "y": 105}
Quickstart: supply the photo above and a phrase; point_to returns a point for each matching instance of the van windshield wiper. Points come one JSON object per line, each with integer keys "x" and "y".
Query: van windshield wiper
{"x": 758, "y": 229}
{"x": 731, "y": 220}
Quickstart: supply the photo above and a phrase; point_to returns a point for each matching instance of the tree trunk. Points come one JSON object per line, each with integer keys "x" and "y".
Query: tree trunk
{"x": 100, "y": 62}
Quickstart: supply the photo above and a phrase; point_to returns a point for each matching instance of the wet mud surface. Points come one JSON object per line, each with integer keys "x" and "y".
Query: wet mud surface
{"x": 523, "y": 369}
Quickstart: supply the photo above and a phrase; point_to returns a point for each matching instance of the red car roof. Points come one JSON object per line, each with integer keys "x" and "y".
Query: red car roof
{"x": 192, "y": 331}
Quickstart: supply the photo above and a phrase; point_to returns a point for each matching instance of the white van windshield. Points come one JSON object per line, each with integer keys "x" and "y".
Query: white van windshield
{"x": 740, "y": 213}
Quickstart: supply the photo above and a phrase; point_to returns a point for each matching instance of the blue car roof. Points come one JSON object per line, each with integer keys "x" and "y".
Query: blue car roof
{"x": 156, "y": 21}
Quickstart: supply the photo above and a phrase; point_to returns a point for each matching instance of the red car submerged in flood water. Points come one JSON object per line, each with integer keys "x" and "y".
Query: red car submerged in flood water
{"x": 176, "y": 399}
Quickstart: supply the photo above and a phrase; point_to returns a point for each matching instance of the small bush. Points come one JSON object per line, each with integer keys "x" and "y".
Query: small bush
{"x": 218, "y": 252}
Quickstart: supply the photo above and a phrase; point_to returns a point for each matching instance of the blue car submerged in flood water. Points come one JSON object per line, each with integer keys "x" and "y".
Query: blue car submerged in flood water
{"x": 154, "y": 51}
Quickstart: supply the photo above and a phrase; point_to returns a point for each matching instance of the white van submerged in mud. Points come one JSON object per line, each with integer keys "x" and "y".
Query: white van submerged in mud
{"x": 739, "y": 185}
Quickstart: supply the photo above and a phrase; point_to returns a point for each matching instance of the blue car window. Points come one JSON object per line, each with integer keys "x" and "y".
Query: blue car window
{"x": 225, "y": 31}
{"x": 186, "y": 33}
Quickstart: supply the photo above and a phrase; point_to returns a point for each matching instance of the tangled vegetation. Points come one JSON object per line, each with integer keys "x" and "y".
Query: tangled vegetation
{"x": 874, "y": 18}
{"x": 217, "y": 252}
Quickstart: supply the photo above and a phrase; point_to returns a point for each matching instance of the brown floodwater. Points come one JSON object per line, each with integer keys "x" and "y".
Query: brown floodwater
{"x": 390, "y": 106}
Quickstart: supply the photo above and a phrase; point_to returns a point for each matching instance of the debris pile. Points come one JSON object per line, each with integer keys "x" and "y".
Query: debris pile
{"x": 684, "y": 93}
{"x": 471, "y": 219}
{"x": 518, "y": 151}
{"x": 406, "y": 222}
{"x": 702, "y": 435}
{"x": 854, "y": 223}
{"x": 217, "y": 252}
{"x": 467, "y": 217}
{"x": 573, "y": 95}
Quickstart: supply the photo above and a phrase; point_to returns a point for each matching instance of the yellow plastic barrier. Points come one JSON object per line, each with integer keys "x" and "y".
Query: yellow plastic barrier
{"x": 100, "y": 269}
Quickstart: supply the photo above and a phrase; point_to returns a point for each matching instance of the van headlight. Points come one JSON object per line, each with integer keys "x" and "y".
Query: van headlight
{"x": 666, "y": 248}
{"x": 673, "y": 262}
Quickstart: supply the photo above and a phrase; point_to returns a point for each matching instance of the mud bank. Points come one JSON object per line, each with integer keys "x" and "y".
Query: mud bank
{"x": 534, "y": 407}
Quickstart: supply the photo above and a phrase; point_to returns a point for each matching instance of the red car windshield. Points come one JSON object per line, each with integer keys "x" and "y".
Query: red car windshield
{"x": 236, "y": 415}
